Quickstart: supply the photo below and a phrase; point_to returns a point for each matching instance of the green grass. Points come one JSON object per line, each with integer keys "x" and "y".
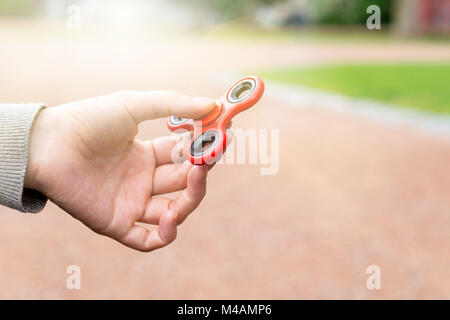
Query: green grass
{"x": 424, "y": 87}
{"x": 251, "y": 31}
{"x": 254, "y": 32}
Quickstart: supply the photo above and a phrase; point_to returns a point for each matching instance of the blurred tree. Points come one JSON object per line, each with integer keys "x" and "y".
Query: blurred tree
{"x": 415, "y": 17}
{"x": 233, "y": 8}
{"x": 335, "y": 12}
{"x": 348, "y": 11}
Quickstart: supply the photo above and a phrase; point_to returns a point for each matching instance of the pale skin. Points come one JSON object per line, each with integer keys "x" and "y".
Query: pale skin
{"x": 85, "y": 158}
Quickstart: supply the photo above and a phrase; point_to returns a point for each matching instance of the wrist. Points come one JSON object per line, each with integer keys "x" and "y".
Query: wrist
{"x": 37, "y": 149}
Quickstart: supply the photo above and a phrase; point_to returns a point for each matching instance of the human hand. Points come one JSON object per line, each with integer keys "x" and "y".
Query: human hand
{"x": 85, "y": 158}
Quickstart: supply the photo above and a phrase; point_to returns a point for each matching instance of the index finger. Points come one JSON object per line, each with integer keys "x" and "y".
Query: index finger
{"x": 147, "y": 105}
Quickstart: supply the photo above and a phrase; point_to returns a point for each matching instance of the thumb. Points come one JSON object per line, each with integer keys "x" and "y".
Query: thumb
{"x": 147, "y": 105}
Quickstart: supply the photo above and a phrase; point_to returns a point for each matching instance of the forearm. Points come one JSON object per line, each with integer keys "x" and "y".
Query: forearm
{"x": 16, "y": 121}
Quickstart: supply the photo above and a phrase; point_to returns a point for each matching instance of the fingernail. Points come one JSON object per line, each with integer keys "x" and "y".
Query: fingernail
{"x": 169, "y": 234}
{"x": 203, "y": 170}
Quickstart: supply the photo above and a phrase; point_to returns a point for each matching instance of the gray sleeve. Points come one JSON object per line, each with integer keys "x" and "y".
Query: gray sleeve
{"x": 15, "y": 125}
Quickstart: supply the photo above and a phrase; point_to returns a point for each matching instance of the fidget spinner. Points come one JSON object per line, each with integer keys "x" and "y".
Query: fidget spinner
{"x": 209, "y": 140}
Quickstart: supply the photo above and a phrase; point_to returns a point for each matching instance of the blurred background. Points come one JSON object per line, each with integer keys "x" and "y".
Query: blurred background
{"x": 364, "y": 150}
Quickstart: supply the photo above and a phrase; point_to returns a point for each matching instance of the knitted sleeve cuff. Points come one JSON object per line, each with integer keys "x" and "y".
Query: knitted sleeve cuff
{"x": 15, "y": 125}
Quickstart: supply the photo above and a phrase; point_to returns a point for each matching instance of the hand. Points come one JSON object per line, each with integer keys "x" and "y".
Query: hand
{"x": 85, "y": 158}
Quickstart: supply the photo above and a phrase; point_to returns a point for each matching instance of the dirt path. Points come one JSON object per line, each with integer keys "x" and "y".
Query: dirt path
{"x": 349, "y": 193}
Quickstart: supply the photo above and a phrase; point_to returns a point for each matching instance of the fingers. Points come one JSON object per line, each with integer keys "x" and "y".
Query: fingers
{"x": 171, "y": 149}
{"x": 168, "y": 213}
{"x": 170, "y": 178}
{"x": 195, "y": 191}
{"x": 185, "y": 203}
{"x": 230, "y": 137}
{"x": 140, "y": 238}
{"x": 147, "y": 105}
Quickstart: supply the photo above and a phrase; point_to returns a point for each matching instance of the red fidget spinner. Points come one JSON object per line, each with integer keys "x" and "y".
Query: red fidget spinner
{"x": 209, "y": 140}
